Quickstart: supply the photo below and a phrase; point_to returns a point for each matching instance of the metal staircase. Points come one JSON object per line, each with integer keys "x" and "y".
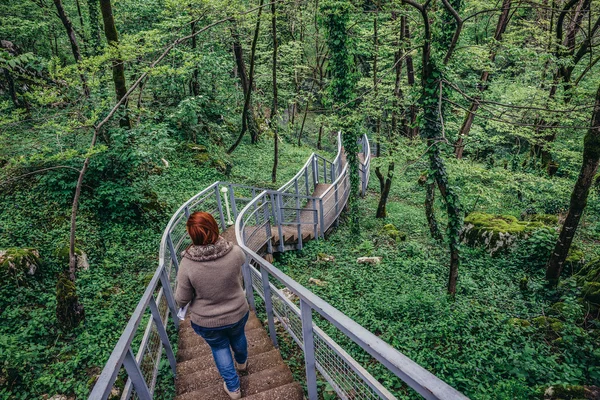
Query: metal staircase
{"x": 262, "y": 222}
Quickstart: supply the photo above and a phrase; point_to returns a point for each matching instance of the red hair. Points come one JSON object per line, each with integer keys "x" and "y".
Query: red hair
{"x": 203, "y": 228}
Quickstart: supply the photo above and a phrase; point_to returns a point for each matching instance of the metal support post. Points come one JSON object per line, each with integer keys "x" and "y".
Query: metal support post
{"x": 246, "y": 273}
{"x": 173, "y": 254}
{"x": 269, "y": 305}
{"x": 220, "y": 207}
{"x": 308, "y": 342}
{"x": 162, "y": 332}
{"x": 135, "y": 374}
{"x": 168, "y": 293}
{"x": 322, "y": 218}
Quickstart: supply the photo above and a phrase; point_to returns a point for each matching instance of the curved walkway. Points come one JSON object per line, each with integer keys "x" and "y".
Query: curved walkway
{"x": 262, "y": 222}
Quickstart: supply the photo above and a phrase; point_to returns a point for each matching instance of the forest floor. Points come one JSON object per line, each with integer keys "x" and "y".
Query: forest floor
{"x": 486, "y": 341}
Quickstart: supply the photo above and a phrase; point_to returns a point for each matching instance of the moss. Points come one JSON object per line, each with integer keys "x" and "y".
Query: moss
{"x": 575, "y": 256}
{"x": 69, "y": 312}
{"x": 546, "y": 219}
{"x": 16, "y": 263}
{"x": 393, "y": 232}
{"x": 523, "y": 283}
{"x": 591, "y": 292}
{"x": 548, "y": 323}
{"x": 496, "y": 232}
{"x": 570, "y": 392}
{"x": 519, "y": 322}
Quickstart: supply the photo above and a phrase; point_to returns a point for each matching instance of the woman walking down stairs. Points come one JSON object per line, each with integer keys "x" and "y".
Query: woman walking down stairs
{"x": 267, "y": 378}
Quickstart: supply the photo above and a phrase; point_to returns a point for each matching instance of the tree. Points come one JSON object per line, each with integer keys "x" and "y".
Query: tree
{"x": 385, "y": 184}
{"x": 118, "y": 65}
{"x": 433, "y": 129}
{"x": 274, "y": 122}
{"x": 336, "y": 15}
{"x": 247, "y": 111}
{"x": 72, "y": 39}
{"x": 482, "y": 84}
{"x": 581, "y": 190}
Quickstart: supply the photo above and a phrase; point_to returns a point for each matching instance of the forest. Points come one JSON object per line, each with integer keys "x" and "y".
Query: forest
{"x": 482, "y": 211}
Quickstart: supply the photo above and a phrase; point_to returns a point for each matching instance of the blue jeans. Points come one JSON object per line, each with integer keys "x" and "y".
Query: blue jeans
{"x": 220, "y": 339}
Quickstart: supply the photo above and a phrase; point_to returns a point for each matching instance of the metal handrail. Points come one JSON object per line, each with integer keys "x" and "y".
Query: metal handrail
{"x": 415, "y": 376}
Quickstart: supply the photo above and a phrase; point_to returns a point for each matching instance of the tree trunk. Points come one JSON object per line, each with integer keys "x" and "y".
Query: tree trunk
{"x": 470, "y": 116}
{"x": 319, "y": 139}
{"x": 249, "y": 84}
{"x": 410, "y": 78}
{"x": 73, "y": 40}
{"x": 94, "y": 25}
{"x": 398, "y": 54}
{"x": 81, "y": 23}
{"x": 384, "y": 187}
{"x": 118, "y": 67}
{"x": 434, "y": 228}
{"x": 194, "y": 86}
{"x": 375, "y": 82}
{"x": 273, "y": 116}
{"x": 589, "y": 166}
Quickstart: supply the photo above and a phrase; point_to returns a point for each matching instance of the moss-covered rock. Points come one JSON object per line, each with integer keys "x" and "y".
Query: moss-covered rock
{"x": 523, "y": 283}
{"x": 519, "y": 322}
{"x": 571, "y": 392}
{"x": 63, "y": 255}
{"x": 16, "y": 263}
{"x": 496, "y": 232}
{"x": 546, "y": 219}
{"x": 549, "y": 323}
{"x": 393, "y": 233}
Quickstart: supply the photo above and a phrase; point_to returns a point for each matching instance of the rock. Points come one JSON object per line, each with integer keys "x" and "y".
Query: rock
{"x": 589, "y": 280}
{"x": 58, "y": 397}
{"x": 368, "y": 260}
{"x": 82, "y": 260}
{"x": 289, "y": 295}
{"x": 393, "y": 232}
{"x": 69, "y": 312}
{"x": 325, "y": 257}
{"x": 495, "y": 232}
{"x": 317, "y": 282}
{"x": 17, "y": 262}
{"x": 571, "y": 392}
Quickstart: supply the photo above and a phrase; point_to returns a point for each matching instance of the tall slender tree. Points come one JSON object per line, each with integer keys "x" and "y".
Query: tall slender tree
{"x": 581, "y": 190}
{"x": 118, "y": 65}
{"x": 273, "y": 116}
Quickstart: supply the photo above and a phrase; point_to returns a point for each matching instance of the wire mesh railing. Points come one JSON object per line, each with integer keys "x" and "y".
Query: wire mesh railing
{"x": 224, "y": 201}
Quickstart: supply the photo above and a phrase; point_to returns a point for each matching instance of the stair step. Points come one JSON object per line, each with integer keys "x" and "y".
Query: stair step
{"x": 262, "y": 381}
{"x": 188, "y": 342}
{"x": 210, "y": 376}
{"x": 291, "y": 391}
{"x": 258, "y": 346}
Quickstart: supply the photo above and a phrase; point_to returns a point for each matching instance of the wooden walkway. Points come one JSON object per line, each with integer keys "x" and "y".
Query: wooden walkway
{"x": 268, "y": 377}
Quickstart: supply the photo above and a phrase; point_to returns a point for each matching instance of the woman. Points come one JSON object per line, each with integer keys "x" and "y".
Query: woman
{"x": 210, "y": 279}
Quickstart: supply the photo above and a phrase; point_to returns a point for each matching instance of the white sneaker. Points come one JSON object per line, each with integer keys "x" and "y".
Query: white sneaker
{"x": 233, "y": 395}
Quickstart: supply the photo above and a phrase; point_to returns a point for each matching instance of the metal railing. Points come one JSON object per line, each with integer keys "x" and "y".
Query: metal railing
{"x": 263, "y": 217}
{"x": 364, "y": 168}
{"x": 347, "y": 377}
{"x": 224, "y": 201}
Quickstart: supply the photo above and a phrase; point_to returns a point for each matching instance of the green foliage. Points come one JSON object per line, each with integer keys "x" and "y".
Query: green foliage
{"x": 17, "y": 263}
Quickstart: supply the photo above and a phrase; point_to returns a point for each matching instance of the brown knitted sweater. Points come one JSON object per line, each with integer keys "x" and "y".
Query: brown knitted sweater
{"x": 210, "y": 277}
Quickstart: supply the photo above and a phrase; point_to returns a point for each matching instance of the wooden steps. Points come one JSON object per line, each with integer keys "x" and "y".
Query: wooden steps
{"x": 267, "y": 377}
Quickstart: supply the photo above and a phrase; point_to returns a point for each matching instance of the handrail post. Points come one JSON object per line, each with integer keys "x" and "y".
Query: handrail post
{"x": 298, "y": 212}
{"x": 315, "y": 171}
{"x": 325, "y": 171}
{"x": 246, "y": 274}
{"x": 268, "y": 232}
{"x": 315, "y": 218}
{"x": 220, "y": 206}
{"x": 322, "y": 217}
{"x": 281, "y": 221}
{"x": 162, "y": 332}
{"x": 168, "y": 293}
{"x": 332, "y": 173}
{"x": 335, "y": 197}
{"x": 232, "y": 202}
{"x": 172, "y": 251}
{"x": 269, "y": 305}
{"x": 308, "y": 192}
{"x": 135, "y": 374}
{"x": 309, "y": 349}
